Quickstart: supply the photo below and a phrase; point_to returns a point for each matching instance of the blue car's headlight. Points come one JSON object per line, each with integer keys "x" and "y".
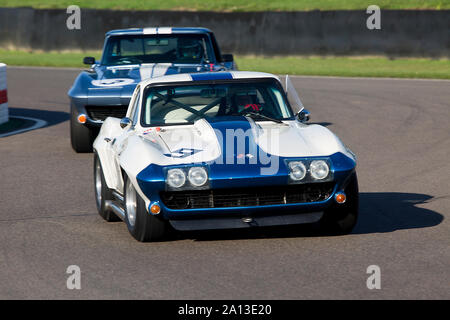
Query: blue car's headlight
{"x": 319, "y": 169}
{"x": 176, "y": 178}
{"x": 197, "y": 176}
{"x": 183, "y": 178}
{"x": 309, "y": 170}
{"x": 297, "y": 170}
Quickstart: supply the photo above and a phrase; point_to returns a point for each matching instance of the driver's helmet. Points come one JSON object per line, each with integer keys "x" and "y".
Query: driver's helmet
{"x": 247, "y": 100}
{"x": 188, "y": 48}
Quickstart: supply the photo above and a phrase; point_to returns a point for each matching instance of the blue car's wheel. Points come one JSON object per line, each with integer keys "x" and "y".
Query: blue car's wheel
{"x": 341, "y": 218}
{"x": 142, "y": 225}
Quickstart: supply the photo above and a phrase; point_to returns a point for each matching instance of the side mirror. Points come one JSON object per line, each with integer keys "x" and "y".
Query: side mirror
{"x": 227, "y": 58}
{"x": 89, "y": 60}
{"x": 303, "y": 116}
{"x": 125, "y": 122}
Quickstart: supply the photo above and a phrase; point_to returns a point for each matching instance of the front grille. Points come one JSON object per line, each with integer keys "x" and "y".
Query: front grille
{"x": 262, "y": 196}
{"x": 102, "y": 112}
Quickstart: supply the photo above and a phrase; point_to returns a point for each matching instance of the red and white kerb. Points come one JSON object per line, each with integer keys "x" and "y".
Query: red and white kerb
{"x": 4, "y": 116}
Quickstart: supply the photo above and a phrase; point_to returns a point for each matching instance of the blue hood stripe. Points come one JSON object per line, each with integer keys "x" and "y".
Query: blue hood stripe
{"x": 237, "y": 123}
{"x": 212, "y": 76}
{"x": 243, "y": 161}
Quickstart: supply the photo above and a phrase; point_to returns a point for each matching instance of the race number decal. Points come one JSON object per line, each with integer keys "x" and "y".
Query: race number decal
{"x": 118, "y": 82}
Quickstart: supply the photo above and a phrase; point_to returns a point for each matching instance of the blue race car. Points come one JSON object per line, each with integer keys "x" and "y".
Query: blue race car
{"x": 130, "y": 56}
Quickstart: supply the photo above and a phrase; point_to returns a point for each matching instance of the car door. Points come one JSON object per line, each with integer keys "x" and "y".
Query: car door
{"x": 119, "y": 143}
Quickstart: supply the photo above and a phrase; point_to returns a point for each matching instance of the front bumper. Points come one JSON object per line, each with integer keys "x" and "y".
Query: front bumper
{"x": 246, "y": 216}
{"x": 96, "y": 113}
{"x": 152, "y": 183}
{"x": 245, "y": 222}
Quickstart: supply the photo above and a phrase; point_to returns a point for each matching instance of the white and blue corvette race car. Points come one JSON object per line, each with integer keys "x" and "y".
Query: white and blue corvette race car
{"x": 221, "y": 150}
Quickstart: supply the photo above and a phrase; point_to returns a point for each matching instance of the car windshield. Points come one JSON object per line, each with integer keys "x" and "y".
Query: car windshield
{"x": 183, "y": 104}
{"x": 173, "y": 48}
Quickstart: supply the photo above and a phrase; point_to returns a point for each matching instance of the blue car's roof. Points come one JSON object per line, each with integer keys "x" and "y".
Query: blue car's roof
{"x": 157, "y": 30}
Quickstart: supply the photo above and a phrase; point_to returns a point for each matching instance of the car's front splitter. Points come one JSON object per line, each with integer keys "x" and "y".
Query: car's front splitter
{"x": 245, "y": 222}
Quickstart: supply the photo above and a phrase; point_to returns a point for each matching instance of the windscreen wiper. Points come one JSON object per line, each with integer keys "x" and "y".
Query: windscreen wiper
{"x": 254, "y": 114}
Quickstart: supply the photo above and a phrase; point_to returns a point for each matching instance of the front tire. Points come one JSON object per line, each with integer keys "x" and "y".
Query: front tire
{"x": 81, "y": 137}
{"x": 142, "y": 225}
{"x": 102, "y": 192}
{"x": 340, "y": 219}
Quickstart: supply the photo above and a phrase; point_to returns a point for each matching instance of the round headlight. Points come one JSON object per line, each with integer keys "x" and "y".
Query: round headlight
{"x": 319, "y": 169}
{"x": 197, "y": 176}
{"x": 298, "y": 170}
{"x": 176, "y": 178}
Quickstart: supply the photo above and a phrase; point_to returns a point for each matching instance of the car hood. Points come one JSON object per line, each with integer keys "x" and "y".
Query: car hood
{"x": 258, "y": 156}
{"x": 115, "y": 84}
{"x": 139, "y": 72}
{"x": 240, "y": 140}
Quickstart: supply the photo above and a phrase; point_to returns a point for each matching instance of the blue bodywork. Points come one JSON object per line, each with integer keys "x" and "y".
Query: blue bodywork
{"x": 232, "y": 171}
{"x": 117, "y": 83}
{"x": 152, "y": 182}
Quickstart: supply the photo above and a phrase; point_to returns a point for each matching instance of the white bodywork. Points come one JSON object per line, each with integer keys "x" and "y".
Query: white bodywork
{"x": 133, "y": 149}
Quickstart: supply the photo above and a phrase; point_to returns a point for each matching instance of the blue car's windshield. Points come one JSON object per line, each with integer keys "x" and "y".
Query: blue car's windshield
{"x": 171, "y": 48}
{"x": 184, "y": 104}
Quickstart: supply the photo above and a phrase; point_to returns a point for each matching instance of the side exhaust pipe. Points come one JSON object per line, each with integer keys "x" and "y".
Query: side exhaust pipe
{"x": 110, "y": 205}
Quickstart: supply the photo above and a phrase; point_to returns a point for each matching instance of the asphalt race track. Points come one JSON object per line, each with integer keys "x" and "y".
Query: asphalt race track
{"x": 399, "y": 130}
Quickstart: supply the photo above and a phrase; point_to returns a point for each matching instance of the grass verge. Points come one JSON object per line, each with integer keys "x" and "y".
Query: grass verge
{"x": 321, "y": 66}
{"x": 350, "y": 66}
{"x": 45, "y": 59}
{"x": 230, "y": 5}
